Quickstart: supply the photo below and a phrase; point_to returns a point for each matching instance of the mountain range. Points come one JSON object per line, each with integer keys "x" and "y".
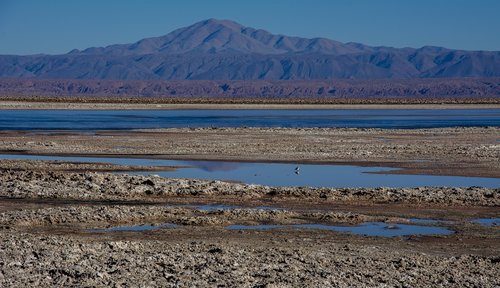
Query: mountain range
{"x": 225, "y": 50}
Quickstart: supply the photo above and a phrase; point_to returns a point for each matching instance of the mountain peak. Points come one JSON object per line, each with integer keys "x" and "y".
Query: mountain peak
{"x": 217, "y": 36}
{"x": 212, "y": 22}
{"x": 224, "y": 49}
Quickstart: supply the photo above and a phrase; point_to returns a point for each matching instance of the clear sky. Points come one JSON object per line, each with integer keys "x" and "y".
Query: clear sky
{"x": 58, "y": 26}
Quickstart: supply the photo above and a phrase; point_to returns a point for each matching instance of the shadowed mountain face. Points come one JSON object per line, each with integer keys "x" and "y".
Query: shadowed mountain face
{"x": 225, "y": 50}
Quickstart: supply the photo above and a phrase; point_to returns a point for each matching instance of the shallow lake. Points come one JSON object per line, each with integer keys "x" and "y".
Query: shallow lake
{"x": 280, "y": 174}
{"x": 137, "y": 119}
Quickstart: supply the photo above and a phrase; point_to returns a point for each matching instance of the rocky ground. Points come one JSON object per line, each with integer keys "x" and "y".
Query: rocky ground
{"x": 279, "y": 261}
{"x": 34, "y": 165}
{"x": 50, "y": 210}
{"x": 48, "y": 237}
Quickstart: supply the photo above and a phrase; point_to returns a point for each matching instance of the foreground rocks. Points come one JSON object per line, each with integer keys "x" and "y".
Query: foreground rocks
{"x": 47, "y": 217}
{"x": 68, "y": 261}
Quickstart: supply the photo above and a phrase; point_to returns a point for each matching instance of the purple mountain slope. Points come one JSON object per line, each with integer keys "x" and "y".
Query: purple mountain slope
{"x": 225, "y": 50}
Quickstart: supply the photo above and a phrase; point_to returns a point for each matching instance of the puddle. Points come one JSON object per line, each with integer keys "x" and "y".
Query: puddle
{"x": 366, "y": 229}
{"x": 217, "y": 207}
{"x": 135, "y": 228}
{"x": 487, "y": 221}
{"x": 283, "y": 174}
{"x": 205, "y": 207}
{"x": 427, "y": 221}
{"x": 254, "y": 227}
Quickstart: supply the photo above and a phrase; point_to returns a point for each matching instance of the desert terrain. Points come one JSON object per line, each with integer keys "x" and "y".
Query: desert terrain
{"x": 54, "y": 214}
{"x": 318, "y": 144}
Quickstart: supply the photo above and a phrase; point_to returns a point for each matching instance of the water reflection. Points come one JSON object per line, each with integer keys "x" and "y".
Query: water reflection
{"x": 214, "y": 166}
{"x": 367, "y": 229}
{"x": 427, "y": 221}
{"x": 219, "y": 206}
{"x": 283, "y": 174}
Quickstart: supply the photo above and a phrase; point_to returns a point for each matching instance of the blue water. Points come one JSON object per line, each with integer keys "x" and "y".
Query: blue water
{"x": 136, "y": 119}
{"x": 487, "y": 221}
{"x": 280, "y": 174}
{"x": 427, "y": 221}
{"x": 367, "y": 229}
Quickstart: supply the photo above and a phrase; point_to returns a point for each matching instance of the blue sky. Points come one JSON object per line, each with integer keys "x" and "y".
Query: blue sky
{"x": 58, "y": 26}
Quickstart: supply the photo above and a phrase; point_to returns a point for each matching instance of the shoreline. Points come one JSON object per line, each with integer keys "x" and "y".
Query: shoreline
{"x": 69, "y": 105}
{"x": 405, "y": 149}
{"x": 402, "y": 167}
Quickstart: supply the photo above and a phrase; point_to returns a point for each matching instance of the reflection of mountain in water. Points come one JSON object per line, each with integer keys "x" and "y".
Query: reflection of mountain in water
{"x": 213, "y": 166}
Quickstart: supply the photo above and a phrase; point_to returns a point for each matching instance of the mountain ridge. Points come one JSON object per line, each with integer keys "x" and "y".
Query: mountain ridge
{"x": 225, "y": 50}
{"x": 437, "y": 89}
{"x": 210, "y": 31}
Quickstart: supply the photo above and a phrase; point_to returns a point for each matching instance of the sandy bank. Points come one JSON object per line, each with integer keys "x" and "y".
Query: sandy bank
{"x": 28, "y": 105}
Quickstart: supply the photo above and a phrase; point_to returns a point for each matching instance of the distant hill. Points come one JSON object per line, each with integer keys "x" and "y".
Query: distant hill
{"x": 225, "y": 50}
{"x": 466, "y": 90}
